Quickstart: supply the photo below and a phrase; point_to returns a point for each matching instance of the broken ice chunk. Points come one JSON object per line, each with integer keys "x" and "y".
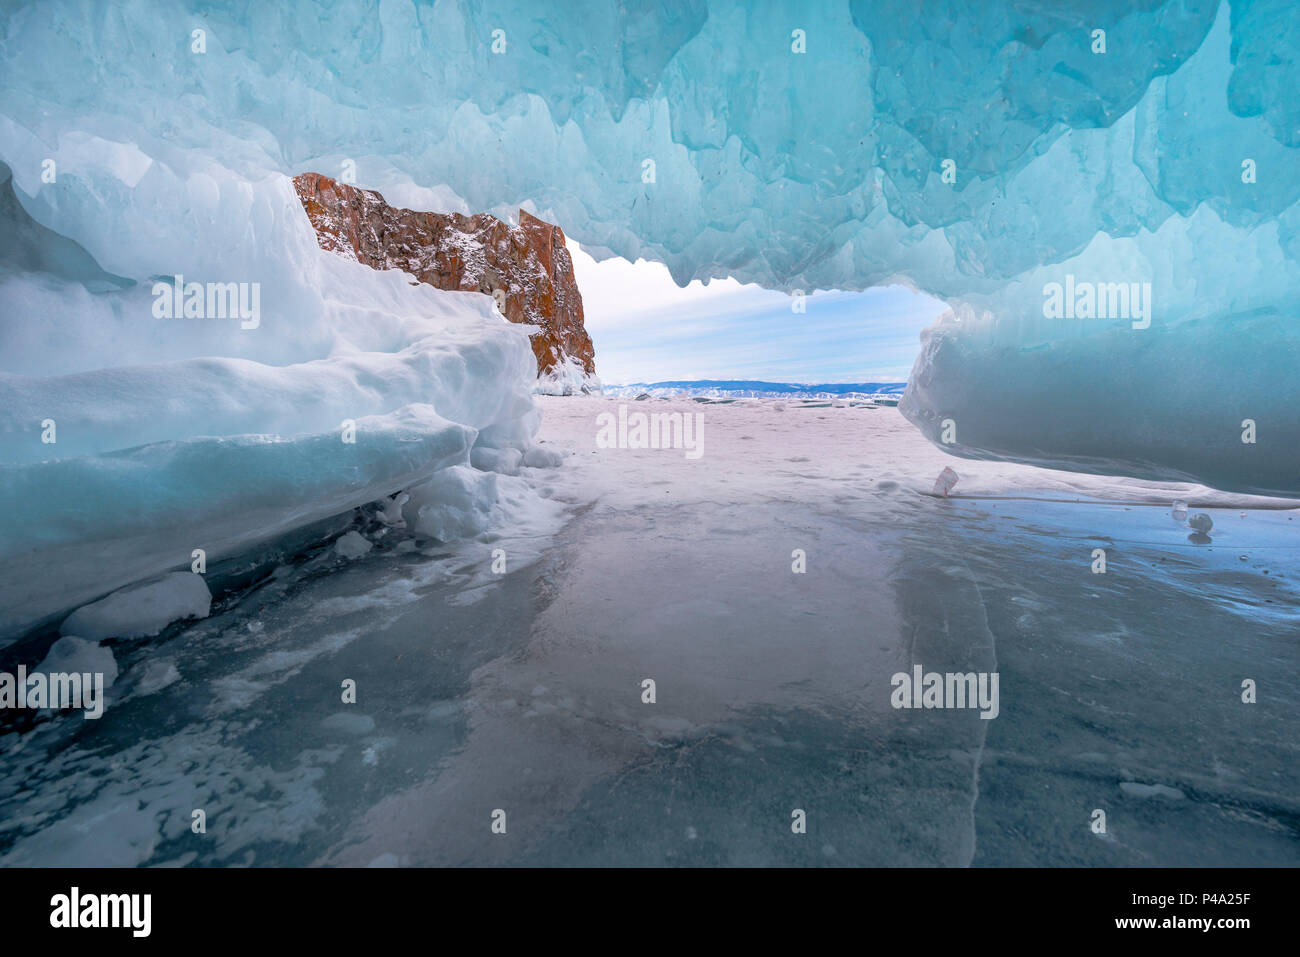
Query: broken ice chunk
{"x": 1180, "y": 511}
{"x": 352, "y": 545}
{"x": 390, "y": 510}
{"x": 1201, "y": 522}
{"x": 541, "y": 458}
{"x": 73, "y": 654}
{"x": 141, "y": 610}
{"x": 944, "y": 483}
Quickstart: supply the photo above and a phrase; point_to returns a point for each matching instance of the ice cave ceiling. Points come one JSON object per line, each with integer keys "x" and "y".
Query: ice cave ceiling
{"x": 980, "y": 151}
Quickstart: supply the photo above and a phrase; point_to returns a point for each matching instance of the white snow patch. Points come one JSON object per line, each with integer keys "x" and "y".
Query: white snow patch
{"x": 157, "y": 675}
{"x": 142, "y": 611}
{"x": 539, "y": 457}
{"x": 71, "y": 654}
{"x": 347, "y": 723}
{"x": 505, "y": 461}
{"x": 456, "y": 503}
{"x": 353, "y": 545}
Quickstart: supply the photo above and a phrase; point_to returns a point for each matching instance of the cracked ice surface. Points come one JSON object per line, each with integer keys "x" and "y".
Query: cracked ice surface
{"x": 773, "y": 689}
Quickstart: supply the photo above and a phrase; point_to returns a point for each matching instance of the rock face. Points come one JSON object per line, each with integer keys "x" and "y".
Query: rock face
{"x": 527, "y": 268}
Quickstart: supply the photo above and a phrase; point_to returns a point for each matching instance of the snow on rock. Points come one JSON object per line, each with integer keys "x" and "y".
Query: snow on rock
{"x": 568, "y": 377}
{"x": 143, "y": 610}
{"x": 527, "y": 268}
{"x": 72, "y": 654}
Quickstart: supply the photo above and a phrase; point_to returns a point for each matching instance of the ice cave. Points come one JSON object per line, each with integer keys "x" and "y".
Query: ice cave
{"x": 1104, "y": 194}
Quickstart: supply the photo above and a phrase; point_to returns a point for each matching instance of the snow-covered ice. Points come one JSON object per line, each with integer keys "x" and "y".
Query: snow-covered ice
{"x": 71, "y": 654}
{"x": 121, "y": 459}
{"x": 1118, "y": 690}
{"x": 142, "y": 610}
{"x": 352, "y": 545}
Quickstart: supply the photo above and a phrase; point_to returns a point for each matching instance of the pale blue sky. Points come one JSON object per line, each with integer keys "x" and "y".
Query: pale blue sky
{"x": 646, "y": 328}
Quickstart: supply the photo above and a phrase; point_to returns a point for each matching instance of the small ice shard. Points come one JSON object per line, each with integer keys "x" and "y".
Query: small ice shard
{"x": 1180, "y": 511}
{"x": 1201, "y": 522}
{"x": 944, "y": 483}
{"x": 346, "y": 723}
{"x": 390, "y": 511}
{"x": 352, "y": 545}
{"x": 143, "y": 610}
{"x": 157, "y": 676}
{"x": 1143, "y": 791}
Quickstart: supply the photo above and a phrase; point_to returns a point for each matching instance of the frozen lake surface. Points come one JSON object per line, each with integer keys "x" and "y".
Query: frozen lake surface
{"x": 523, "y": 692}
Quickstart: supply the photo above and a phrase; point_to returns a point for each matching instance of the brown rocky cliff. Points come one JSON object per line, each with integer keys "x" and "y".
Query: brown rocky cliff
{"x": 480, "y": 253}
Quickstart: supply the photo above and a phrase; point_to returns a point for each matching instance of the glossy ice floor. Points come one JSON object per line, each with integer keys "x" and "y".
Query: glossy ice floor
{"x": 523, "y": 693}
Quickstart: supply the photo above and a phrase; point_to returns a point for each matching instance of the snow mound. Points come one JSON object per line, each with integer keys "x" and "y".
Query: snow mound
{"x": 540, "y": 457}
{"x": 72, "y": 654}
{"x": 142, "y": 611}
{"x": 568, "y": 377}
{"x": 455, "y": 504}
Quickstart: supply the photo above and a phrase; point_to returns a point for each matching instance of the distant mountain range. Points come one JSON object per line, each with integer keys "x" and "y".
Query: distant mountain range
{"x": 754, "y": 388}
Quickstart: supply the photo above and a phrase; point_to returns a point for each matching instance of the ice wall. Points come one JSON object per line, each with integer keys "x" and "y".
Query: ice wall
{"x": 130, "y": 441}
{"x": 981, "y": 151}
